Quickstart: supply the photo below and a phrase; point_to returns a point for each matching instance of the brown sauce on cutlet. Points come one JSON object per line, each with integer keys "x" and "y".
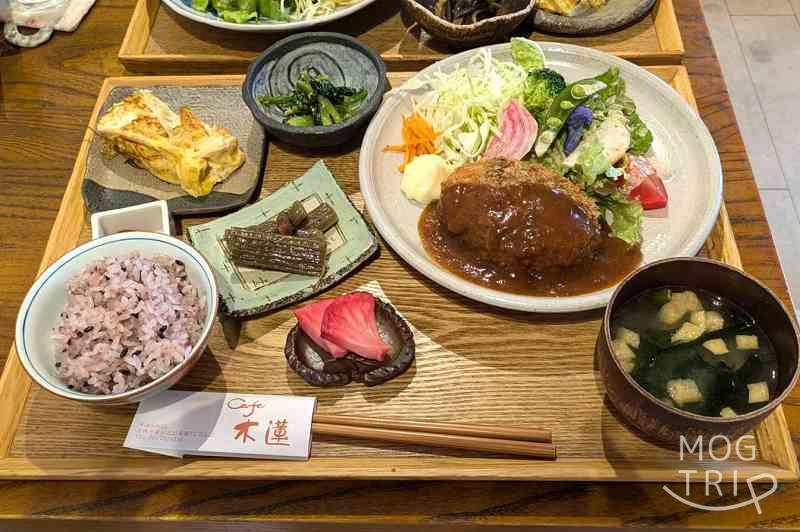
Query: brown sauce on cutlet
{"x": 608, "y": 265}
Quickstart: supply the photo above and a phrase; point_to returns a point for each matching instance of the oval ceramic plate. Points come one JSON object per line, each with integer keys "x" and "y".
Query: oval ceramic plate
{"x": 682, "y": 145}
{"x": 185, "y": 9}
{"x": 614, "y": 15}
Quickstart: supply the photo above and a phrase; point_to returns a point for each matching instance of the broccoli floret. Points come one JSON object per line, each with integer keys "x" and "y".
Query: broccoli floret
{"x": 541, "y": 87}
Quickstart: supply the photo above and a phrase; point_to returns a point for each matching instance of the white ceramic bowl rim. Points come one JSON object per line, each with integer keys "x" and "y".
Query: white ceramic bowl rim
{"x": 589, "y": 301}
{"x": 22, "y": 352}
{"x": 211, "y": 20}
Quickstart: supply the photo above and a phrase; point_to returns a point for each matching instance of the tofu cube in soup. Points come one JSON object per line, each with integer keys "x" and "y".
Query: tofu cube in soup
{"x": 684, "y": 391}
{"x": 670, "y": 313}
{"x": 698, "y": 317}
{"x": 758, "y": 392}
{"x": 627, "y": 365}
{"x": 680, "y": 304}
{"x": 716, "y": 346}
{"x": 624, "y": 354}
{"x": 713, "y": 321}
{"x": 688, "y": 300}
{"x": 628, "y": 336}
{"x": 746, "y": 341}
{"x": 687, "y": 333}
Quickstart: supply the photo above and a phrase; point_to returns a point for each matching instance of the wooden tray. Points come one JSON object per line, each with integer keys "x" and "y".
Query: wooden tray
{"x": 160, "y": 41}
{"x": 494, "y": 367}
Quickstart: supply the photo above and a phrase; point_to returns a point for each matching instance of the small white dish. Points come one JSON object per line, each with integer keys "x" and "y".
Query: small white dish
{"x": 42, "y": 306}
{"x": 682, "y": 144}
{"x": 152, "y": 217}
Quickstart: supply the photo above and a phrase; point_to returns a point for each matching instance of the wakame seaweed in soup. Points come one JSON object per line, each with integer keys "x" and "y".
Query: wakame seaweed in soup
{"x": 696, "y": 351}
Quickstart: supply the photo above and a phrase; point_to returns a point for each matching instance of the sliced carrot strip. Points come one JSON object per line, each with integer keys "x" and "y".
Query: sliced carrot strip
{"x": 418, "y": 139}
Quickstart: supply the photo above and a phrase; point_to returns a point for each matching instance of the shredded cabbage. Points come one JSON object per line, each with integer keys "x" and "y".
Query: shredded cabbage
{"x": 311, "y": 9}
{"x": 464, "y": 106}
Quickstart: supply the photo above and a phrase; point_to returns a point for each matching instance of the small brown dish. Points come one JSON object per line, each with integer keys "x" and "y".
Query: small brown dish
{"x": 667, "y": 423}
{"x": 318, "y": 368}
{"x": 467, "y": 35}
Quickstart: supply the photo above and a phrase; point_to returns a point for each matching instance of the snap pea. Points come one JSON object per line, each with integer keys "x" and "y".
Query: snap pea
{"x": 614, "y": 84}
{"x": 615, "y": 90}
{"x": 573, "y": 95}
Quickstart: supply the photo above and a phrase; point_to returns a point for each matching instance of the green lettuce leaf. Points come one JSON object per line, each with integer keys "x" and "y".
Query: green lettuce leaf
{"x": 200, "y": 5}
{"x": 238, "y": 11}
{"x": 592, "y": 163}
{"x": 239, "y": 17}
{"x": 623, "y": 216}
{"x": 641, "y": 136}
{"x": 554, "y": 158}
{"x": 526, "y": 53}
{"x": 271, "y": 9}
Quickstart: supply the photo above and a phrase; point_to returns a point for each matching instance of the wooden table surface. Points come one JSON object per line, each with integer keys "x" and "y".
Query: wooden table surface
{"x": 46, "y": 95}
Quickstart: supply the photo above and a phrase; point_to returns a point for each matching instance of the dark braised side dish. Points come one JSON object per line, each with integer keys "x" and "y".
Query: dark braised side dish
{"x": 522, "y": 228}
{"x": 274, "y": 251}
{"x": 292, "y": 242}
{"x": 464, "y": 12}
{"x": 354, "y": 337}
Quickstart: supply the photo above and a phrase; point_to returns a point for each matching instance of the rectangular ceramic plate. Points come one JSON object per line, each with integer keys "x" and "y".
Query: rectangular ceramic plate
{"x": 246, "y": 291}
{"x": 160, "y": 41}
{"x": 482, "y": 365}
{"x": 114, "y": 184}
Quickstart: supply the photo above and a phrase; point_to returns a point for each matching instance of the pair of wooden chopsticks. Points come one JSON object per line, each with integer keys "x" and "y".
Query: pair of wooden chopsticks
{"x": 531, "y": 442}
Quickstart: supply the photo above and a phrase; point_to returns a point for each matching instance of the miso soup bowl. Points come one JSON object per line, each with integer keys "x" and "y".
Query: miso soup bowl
{"x": 666, "y": 423}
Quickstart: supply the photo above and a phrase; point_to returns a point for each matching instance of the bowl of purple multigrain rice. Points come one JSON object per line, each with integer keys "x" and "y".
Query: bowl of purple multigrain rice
{"x": 118, "y": 319}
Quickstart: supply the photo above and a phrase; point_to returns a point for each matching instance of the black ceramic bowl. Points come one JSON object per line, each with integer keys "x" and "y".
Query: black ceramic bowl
{"x": 667, "y": 423}
{"x": 340, "y": 57}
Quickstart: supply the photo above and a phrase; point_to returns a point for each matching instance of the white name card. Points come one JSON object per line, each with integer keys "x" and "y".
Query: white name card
{"x": 178, "y": 423}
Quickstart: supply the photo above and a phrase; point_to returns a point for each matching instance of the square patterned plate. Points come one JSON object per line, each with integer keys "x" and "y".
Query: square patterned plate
{"x": 246, "y": 291}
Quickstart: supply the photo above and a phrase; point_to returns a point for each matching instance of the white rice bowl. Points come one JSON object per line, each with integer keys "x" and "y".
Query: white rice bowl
{"x": 128, "y": 321}
{"x": 39, "y": 320}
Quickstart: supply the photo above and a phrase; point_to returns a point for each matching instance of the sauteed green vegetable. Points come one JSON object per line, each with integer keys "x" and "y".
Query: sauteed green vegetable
{"x": 316, "y": 101}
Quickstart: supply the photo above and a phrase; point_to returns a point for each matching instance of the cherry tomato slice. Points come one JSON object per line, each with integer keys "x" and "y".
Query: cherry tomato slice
{"x": 647, "y": 186}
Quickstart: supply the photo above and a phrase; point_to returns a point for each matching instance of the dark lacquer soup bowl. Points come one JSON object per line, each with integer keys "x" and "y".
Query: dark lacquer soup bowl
{"x": 660, "y": 420}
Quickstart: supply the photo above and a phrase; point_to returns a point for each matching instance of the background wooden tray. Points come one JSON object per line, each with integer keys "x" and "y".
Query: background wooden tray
{"x": 160, "y": 41}
{"x": 539, "y": 372}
